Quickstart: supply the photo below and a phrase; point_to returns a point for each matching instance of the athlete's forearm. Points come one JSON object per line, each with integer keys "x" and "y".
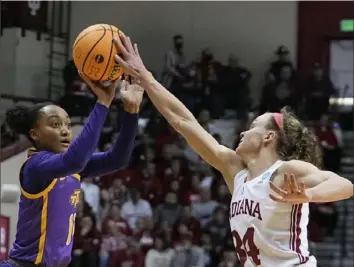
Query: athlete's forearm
{"x": 118, "y": 157}
{"x": 333, "y": 188}
{"x": 165, "y": 102}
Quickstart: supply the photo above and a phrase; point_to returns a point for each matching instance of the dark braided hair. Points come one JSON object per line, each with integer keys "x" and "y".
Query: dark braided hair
{"x": 22, "y": 119}
{"x": 295, "y": 140}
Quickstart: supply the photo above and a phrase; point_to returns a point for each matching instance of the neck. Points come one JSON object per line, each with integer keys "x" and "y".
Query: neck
{"x": 256, "y": 165}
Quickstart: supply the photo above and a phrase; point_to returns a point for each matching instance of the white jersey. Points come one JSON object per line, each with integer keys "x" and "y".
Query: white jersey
{"x": 267, "y": 233}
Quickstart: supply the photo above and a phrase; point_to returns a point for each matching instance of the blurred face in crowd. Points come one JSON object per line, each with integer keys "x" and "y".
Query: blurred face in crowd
{"x": 205, "y": 194}
{"x": 285, "y": 73}
{"x": 195, "y": 182}
{"x": 176, "y": 166}
{"x": 187, "y": 212}
{"x": 134, "y": 195}
{"x": 220, "y": 216}
{"x": 178, "y": 43}
{"x": 150, "y": 154}
{"x": 284, "y": 57}
{"x": 117, "y": 183}
{"x": 222, "y": 190}
{"x": 204, "y": 116}
{"x": 205, "y": 239}
{"x": 171, "y": 198}
{"x": 86, "y": 222}
{"x": 318, "y": 73}
{"x": 182, "y": 229}
{"x": 115, "y": 212}
{"x": 174, "y": 186}
{"x": 324, "y": 121}
{"x": 207, "y": 55}
{"x": 159, "y": 244}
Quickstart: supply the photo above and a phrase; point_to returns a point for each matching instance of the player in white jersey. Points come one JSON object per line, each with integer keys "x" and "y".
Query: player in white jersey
{"x": 269, "y": 228}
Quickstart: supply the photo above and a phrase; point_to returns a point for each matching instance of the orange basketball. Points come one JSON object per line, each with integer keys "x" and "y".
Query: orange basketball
{"x": 94, "y": 51}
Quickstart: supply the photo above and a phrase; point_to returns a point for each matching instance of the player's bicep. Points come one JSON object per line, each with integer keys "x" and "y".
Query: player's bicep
{"x": 307, "y": 173}
{"x": 46, "y": 165}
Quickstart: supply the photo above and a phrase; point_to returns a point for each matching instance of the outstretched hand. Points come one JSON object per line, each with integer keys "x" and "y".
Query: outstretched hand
{"x": 132, "y": 95}
{"x": 105, "y": 94}
{"x": 129, "y": 57}
{"x": 293, "y": 192}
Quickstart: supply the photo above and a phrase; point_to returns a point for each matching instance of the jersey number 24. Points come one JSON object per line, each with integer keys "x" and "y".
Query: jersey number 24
{"x": 245, "y": 247}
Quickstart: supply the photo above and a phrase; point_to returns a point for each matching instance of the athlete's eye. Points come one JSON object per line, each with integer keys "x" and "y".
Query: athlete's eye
{"x": 56, "y": 124}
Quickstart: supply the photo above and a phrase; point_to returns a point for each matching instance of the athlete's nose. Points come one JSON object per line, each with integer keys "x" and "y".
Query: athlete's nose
{"x": 242, "y": 134}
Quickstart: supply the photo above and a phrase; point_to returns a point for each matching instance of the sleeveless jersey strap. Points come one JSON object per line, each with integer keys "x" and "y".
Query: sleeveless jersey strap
{"x": 275, "y": 166}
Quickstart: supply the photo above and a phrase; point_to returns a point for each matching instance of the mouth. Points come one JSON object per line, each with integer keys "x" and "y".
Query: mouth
{"x": 65, "y": 143}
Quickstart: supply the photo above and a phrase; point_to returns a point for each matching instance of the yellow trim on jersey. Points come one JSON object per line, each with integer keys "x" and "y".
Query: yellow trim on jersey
{"x": 40, "y": 194}
{"x": 77, "y": 176}
{"x": 43, "y": 228}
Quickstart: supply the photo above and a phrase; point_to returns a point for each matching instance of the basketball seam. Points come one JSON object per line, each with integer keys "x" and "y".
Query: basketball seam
{"x": 75, "y": 44}
{"x": 110, "y": 55}
{"x": 83, "y": 65}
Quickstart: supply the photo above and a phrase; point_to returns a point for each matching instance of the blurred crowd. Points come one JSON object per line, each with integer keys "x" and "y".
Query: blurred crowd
{"x": 169, "y": 208}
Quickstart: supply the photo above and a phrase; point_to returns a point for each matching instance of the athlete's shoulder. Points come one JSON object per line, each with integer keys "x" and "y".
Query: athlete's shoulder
{"x": 297, "y": 167}
{"x": 35, "y": 158}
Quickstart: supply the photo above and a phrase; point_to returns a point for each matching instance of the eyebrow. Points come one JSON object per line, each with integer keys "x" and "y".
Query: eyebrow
{"x": 57, "y": 117}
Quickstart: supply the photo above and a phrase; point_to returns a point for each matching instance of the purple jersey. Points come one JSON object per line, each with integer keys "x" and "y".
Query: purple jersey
{"x": 46, "y": 223}
{"x": 47, "y": 207}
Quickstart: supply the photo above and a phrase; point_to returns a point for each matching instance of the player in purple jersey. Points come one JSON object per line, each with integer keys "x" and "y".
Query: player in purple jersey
{"x": 50, "y": 177}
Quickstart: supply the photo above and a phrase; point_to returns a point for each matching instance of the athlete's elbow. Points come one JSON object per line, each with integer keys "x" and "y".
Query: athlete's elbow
{"x": 348, "y": 188}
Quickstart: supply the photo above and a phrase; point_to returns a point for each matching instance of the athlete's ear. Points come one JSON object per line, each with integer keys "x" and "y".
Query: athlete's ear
{"x": 269, "y": 137}
{"x": 33, "y": 133}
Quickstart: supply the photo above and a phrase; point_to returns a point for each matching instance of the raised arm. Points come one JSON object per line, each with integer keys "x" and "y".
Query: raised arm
{"x": 179, "y": 117}
{"x": 46, "y": 165}
{"x": 310, "y": 184}
{"x": 118, "y": 156}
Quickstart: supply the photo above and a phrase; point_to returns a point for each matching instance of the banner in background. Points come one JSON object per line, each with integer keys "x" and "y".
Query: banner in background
{"x": 4, "y": 237}
{"x": 28, "y": 15}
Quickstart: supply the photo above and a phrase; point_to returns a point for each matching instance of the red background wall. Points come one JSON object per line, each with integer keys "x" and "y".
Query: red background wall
{"x": 318, "y": 23}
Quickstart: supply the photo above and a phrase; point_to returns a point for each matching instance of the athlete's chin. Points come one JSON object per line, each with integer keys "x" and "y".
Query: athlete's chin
{"x": 62, "y": 149}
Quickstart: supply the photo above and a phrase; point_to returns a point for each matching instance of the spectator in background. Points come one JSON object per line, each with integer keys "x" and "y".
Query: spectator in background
{"x": 150, "y": 185}
{"x": 135, "y": 208}
{"x": 204, "y": 209}
{"x": 329, "y": 144}
{"x": 168, "y": 211}
{"x": 276, "y": 66}
{"x": 7, "y": 135}
{"x": 91, "y": 193}
{"x": 191, "y": 222}
{"x": 187, "y": 255}
{"x": 78, "y": 100}
{"x": 205, "y": 121}
{"x": 87, "y": 242}
{"x": 131, "y": 256}
{"x": 281, "y": 92}
{"x": 325, "y": 217}
{"x": 318, "y": 91}
{"x": 175, "y": 65}
{"x": 235, "y": 86}
{"x": 191, "y": 87}
{"x": 229, "y": 259}
{"x": 218, "y": 226}
{"x": 112, "y": 241}
{"x": 210, "y": 71}
{"x": 159, "y": 256}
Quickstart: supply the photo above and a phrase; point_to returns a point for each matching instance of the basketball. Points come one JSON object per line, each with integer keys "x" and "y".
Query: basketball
{"x": 94, "y": 51}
